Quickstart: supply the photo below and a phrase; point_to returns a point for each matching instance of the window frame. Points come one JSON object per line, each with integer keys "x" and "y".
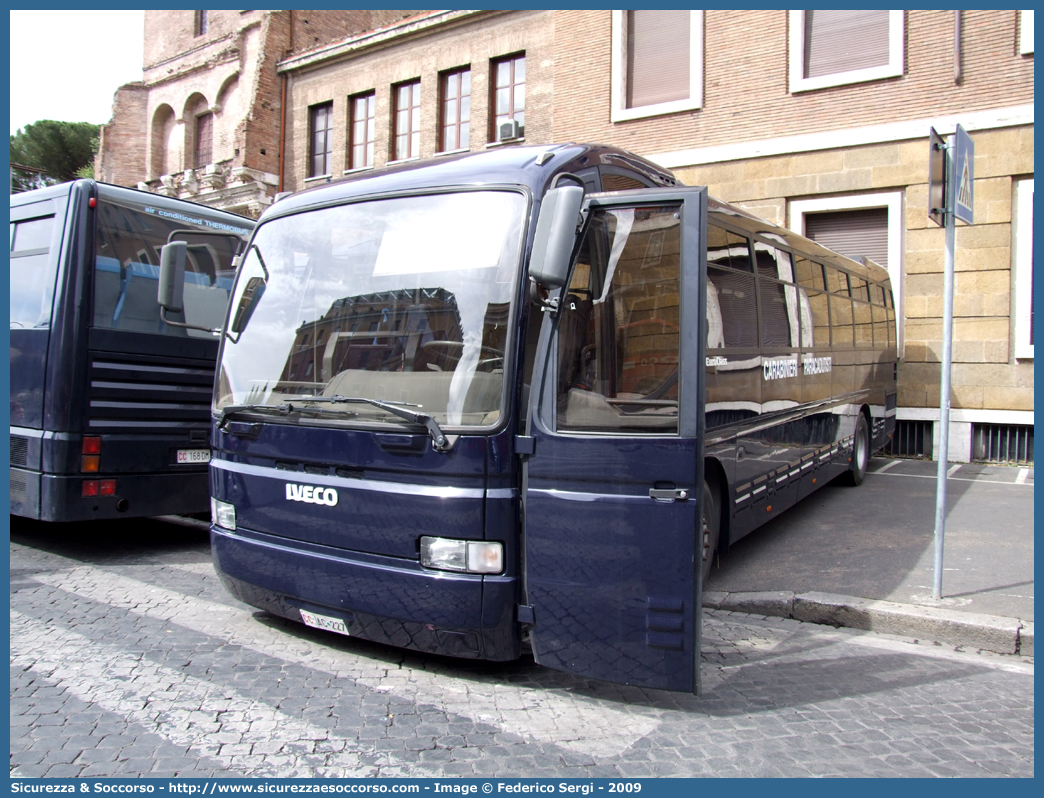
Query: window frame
{"x": 201, "y": 24}
{"x": 893, "y": 202}
{"x": 369, "y": 144}
{"x": 618, "y": 73}
{"x": 444, "y": 77}
{"x": 1022, "y": 267}
{"x": 894, "y": 67}
{"x": 414, "y": 85}
{"x": 494, "y": 137}
{"x": 197, "y": 151}
{"x": 313, "y": 113}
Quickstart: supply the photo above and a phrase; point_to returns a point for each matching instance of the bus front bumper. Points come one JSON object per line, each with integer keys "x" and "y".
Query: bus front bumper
{"x": 382, "y": 599}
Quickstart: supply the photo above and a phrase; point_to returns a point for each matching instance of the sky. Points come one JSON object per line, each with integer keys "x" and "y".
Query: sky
{"x": 109, "y": 47}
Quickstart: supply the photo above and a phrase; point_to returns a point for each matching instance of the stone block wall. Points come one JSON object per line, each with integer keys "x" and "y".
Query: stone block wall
{"x": 986, "y": 375}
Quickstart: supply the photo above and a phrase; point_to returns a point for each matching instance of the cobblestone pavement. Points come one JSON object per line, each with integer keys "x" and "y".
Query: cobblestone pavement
{"x": 132, "y": 660}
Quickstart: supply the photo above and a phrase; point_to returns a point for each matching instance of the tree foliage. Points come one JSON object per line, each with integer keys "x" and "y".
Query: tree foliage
{"x": 63, "y": 150}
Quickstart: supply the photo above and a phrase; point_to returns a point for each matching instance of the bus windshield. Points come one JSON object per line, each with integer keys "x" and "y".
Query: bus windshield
{"x": 405, "y": 301}
{"x": 126, "y": 268}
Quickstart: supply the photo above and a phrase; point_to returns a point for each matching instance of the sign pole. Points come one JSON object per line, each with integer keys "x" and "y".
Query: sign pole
{"x": 951, "y": 189}
{"x": 944, "y": 392}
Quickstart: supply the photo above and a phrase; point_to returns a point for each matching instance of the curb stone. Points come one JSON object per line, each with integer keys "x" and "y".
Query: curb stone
{"x": 973, "y": 630}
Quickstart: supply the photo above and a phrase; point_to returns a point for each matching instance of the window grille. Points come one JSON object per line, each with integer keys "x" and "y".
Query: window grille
{"x": 19, "y": 450}
{"x": 911, "y": 439}
{"x": 1002, "y": 443}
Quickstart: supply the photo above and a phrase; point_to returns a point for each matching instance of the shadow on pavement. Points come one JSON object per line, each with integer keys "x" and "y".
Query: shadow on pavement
{"x": 107, "y": 542}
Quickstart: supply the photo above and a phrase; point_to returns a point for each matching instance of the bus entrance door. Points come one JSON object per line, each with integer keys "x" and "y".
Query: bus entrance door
{"x": 613, "y": 486}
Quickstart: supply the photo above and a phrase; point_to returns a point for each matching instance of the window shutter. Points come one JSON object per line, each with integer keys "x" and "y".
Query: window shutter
{"x": 852, "y": 233}
{"x": 204, "y": 140}
{"x": 842, "y": 41}
{"x": 657, "y": 57}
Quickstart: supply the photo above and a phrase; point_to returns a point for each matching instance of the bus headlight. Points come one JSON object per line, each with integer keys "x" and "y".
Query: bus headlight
{"x": 462, "y": 556}
{"x": 223, "y": 514}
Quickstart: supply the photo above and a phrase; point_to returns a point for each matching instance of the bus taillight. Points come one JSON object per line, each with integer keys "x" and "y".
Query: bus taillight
{"x": 98, "y": 487}
{"x": 90, "y": 463}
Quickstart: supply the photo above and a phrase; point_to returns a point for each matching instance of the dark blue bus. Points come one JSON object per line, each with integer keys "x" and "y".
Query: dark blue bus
{"x": 110, "y": 401}
{"x": 524, "y": 395}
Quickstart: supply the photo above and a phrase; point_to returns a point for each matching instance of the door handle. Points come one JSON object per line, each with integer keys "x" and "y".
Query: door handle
{"x": 669, "y": 494}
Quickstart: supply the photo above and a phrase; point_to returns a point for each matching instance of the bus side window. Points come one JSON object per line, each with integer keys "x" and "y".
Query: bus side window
{"x": 893, "y": 333}
{"x": 737, "y": 305}
{"x": 32, "y": 273}
{"x": 714, "y": 331}
{"x": 780, "y": 322}
{"x": 837, "y": 282}
{"x": 808, "y": 273}
{"x": 725, "y": 248}
{"x": 820, "y": 338}
{"x": 864, "y": 335}
{"x": 842, "y": 335}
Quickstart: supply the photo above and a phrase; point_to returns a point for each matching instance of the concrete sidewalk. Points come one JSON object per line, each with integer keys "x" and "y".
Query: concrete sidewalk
{"x": 864, "y": 558}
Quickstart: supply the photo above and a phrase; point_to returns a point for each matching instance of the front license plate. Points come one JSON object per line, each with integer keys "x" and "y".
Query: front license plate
{"x": 324, "y": 622}
{"x": 193, "y": 455}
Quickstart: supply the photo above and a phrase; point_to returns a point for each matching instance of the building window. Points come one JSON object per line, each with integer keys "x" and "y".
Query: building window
{"x": 1022, "y": 268}
{"x": 657, "y": 63}
{"x": 361, "y": 132}
{"x": 455, "y": 120}
{"x": 1026, "y": 32}
{"x": 509, "y": 98}
{"x": 833, "y": 48}
{"x": 866, "y": 225}
{"x": 201, "y": 23}
{"x": 204, "y": 144}
{"x": 320, "y": 136}
{"x": 407, "y": 120}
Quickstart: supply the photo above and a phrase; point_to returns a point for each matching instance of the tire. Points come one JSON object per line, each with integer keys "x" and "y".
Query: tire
{"x": 860, "y": 454}
{"x": 710, "y": 528}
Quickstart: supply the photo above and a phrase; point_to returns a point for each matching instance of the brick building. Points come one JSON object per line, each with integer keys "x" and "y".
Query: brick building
{"x": 819, "y": 122}
{"x": 205, "y": 121}
{"x": 424, "y": 86}
{"x": 815, "y": 120}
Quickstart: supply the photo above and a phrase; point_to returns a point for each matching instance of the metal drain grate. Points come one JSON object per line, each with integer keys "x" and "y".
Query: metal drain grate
{"x": 911, "y": 439}
{"x": 1002, "y": 443}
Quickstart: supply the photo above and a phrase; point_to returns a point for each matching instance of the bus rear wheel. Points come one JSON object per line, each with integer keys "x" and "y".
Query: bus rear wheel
{"x": 710, "y": 528}
{"x": 860, "y": 454}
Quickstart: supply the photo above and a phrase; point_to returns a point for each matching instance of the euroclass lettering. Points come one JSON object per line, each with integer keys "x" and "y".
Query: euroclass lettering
{"x": 310, "y": 494}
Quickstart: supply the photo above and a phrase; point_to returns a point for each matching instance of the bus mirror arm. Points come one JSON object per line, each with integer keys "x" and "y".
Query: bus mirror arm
{"x": 537, "y": 297}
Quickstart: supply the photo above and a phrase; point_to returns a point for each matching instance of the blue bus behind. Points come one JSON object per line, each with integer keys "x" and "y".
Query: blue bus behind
{"x": 524, "y": 395}
{"x": 110, "y": 404}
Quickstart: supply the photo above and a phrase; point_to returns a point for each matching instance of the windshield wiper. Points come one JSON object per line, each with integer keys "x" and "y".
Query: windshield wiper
{"x": 439, "y": 441}
{"x": 229, "y": 410}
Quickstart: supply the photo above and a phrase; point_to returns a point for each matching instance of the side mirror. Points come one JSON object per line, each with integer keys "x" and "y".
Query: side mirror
{"x": 555, "y": 236}
{"x": 171, "y": 291}
{"x": 255, "y": 289}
